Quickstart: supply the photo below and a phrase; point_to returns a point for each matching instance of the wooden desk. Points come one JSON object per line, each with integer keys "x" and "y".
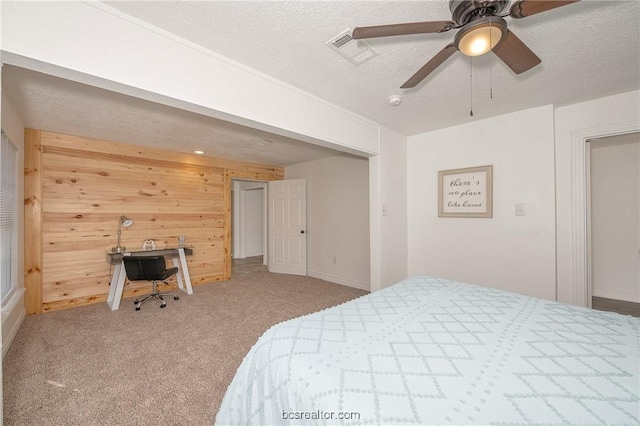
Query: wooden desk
{"x": 178, "y": 255}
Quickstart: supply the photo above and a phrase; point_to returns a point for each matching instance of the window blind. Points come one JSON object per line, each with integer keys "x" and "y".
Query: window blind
{"x": 8, "y": 217}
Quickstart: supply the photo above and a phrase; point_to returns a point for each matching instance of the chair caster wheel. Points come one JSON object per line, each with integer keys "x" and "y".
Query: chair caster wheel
{"x": 138, "y": 308}
{"x": 176, "y": 298}
{"x": 163, "y": 306}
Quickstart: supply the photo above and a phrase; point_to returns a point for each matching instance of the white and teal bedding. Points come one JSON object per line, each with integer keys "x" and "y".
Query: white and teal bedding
{"x": 433, "y": 351}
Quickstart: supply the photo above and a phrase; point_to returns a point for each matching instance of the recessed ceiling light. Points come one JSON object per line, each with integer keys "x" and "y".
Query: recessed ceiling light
{"x": 199, "y": 152}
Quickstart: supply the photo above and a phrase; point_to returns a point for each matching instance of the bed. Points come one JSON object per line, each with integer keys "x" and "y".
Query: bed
{"x": 433, "y": 351}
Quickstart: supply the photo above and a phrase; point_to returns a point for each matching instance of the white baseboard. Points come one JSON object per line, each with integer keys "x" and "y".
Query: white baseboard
{"x": 13, "y": 314}
{"x": 608, "y": 293}
{"x": 339, "y": 280}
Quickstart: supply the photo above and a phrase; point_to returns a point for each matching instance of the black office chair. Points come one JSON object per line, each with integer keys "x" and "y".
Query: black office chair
{"x": 149, "y": 268}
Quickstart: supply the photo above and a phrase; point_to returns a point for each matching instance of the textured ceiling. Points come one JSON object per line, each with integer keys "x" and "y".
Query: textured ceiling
{"x": 63, "y": 106}
{"x": 588, "y": 49}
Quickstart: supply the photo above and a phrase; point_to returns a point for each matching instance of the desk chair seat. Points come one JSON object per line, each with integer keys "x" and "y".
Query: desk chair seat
{"x": 149, "y": 268}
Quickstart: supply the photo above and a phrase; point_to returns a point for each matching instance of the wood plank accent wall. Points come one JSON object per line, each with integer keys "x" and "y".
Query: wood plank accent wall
{"x": 77, "y": 188}
{"x": 32, "y": 220}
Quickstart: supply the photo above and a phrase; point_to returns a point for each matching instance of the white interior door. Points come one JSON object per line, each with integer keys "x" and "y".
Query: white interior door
{"x": 287, "y": 226}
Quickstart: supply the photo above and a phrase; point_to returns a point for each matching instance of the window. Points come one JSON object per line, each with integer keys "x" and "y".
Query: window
{"x": 8, "y": 217}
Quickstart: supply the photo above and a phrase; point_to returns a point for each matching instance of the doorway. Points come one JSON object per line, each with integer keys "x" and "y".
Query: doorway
{"x": 249, "y": 226}
{"x": 613, "y": 220}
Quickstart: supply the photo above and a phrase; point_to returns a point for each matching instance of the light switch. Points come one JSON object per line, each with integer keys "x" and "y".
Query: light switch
{"x": 520, "y": 209}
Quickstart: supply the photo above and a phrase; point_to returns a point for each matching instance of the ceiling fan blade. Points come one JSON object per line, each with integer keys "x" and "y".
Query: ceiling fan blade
{"x": 402, "y": 29}
{"x": 430, "y": 66}
{"x": 524, "y": 8}
{"x": 515, "y": 53}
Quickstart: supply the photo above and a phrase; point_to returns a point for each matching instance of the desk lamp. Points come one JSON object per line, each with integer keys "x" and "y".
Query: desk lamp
{"x": 126, "y": 222}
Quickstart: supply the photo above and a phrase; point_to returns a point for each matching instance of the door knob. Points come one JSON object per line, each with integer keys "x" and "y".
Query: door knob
{"x": 302, "y": 232}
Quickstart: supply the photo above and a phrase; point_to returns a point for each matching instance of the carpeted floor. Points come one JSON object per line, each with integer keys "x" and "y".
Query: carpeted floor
{"x": 248, "y": 265}
{"x": 93, "y": 366}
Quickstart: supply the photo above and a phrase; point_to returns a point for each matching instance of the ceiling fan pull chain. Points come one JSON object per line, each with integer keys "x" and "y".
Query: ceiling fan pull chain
{"x": 470, "y": 86}
{"x": 491, "y": 80}
{"x": 491, "y": 83}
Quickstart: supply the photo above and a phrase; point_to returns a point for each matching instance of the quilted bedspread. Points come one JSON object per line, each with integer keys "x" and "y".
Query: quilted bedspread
{"x": 433, "y": 351}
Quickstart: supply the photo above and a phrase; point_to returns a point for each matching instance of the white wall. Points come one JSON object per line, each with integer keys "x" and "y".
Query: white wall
{"x": 516, "y": 141}
{"x": 606, "y": 113}
{"x": 337, "y": 218}
{"x": 253, "y": 222}
{"x": 515, "y": 253}
{"x": 392, "y": 207}
{"x": 249, "y": 219}
{"x": 13, "y": 311}
{"x": 235, "y": 219}
{"x": 615, "y": 217}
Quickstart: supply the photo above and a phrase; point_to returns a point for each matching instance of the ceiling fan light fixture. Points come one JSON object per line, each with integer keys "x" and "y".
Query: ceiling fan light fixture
{"x": 480, "y": 36}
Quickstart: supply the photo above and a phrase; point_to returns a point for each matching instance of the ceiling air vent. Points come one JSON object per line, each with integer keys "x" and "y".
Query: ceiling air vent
{"x": 356, "y": 51}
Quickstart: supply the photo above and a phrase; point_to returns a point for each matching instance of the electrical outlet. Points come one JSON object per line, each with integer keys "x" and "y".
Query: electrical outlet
{"x": 520, "y": 209}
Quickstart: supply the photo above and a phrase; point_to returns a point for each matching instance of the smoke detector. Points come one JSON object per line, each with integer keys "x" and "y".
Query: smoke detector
{"x": 395, "y": 100}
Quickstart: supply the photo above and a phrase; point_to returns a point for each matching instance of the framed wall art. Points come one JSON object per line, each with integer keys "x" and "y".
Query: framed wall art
{"x": 466, "y": 192}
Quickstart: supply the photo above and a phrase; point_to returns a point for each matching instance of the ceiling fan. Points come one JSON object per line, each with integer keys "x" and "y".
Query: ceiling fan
{"x": 482, "y": 29}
